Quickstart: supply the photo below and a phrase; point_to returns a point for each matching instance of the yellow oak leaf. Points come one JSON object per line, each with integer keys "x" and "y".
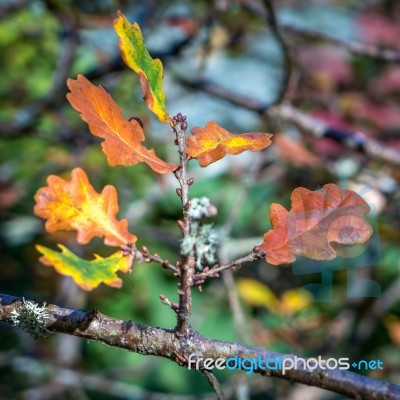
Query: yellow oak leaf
{"x": 257, "y": 294}
{"x": 213, "y": 142}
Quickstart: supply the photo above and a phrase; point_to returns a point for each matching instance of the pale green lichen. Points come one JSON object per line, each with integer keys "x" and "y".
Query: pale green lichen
{"x": 199, "y": 208}
{"x": 202, "y": 237}
{"x": 32, "y": 318}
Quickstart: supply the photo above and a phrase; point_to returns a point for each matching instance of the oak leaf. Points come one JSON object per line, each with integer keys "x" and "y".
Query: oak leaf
{"x": 87, "y": 274}
{"x": 150, "y": 71}
{"x": 213, "y": 142}
{"x": 122, "y": 144}
{"x": 316, "y": 220}
{"x": 75, "y": 205}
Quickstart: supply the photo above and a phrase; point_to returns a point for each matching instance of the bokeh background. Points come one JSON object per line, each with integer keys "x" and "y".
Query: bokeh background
{"x": 287, "y": 67}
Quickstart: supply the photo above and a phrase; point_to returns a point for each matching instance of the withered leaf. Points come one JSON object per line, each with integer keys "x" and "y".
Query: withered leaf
{"x": 315, "y": 221}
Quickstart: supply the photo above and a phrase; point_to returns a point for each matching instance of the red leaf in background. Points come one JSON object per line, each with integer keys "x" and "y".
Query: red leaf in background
{"x": 295, "y": 152}
{"x": 375, "y": 29}
{"x": 358, "y": 107}
{"x": 187, "y": 24}
{"x": 387, "y": 83}
{"x": 327, "y": 146}
{"x": 327, "y": 66}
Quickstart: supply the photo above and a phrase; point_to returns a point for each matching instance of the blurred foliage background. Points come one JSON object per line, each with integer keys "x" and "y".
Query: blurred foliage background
{"x": 276, "y": 55}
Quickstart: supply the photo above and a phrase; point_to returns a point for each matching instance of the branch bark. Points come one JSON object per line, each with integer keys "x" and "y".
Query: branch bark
{"x": 353, "y": 46}
{"x": 159, "y": 342}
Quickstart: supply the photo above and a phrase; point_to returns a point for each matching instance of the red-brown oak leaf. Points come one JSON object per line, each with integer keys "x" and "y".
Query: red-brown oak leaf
{"x": 315, "y": 221}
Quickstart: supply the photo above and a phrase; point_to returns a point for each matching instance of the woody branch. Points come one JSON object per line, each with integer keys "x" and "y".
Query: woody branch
{"x": 179, "y": 125}
{"x": 164, "y": 343}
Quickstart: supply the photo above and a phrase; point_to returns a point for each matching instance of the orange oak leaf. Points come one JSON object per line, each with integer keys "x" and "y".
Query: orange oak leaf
{"x": 75, "y": 205}
{"x": 122, "y": 144}
{"x": 316, "y": 220}
{"x": 212, "y": 143}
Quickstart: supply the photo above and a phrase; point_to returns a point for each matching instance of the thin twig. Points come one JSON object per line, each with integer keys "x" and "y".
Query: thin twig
{"x": 146, "y": 256}
{"x": 234, "y": 265}
{"x": 287, "y": 59}
{"x": 174, "y": 306}
{"x": 379, "y": 309}
{"x": 354, "y": 140}
{"x": 239, "y": 321}
{"x": 213, "y": 381}
{"x": 110, "y": 382}
{"x": 353, "y": 46}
